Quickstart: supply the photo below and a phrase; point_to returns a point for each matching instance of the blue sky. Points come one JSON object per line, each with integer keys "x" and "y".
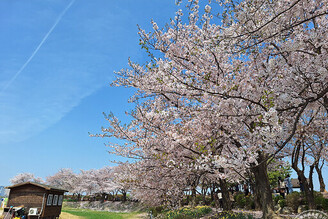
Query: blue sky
{"x": 47, "y": 111}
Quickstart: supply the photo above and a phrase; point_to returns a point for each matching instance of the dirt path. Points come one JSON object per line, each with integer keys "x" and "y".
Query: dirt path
{"x": 138, "y": 216}
{"x": 65, "y": 215}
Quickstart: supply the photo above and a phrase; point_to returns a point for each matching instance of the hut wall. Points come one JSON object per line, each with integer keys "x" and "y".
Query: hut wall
{"x": 29, "y": 195}
{"x": 52, "y": 210}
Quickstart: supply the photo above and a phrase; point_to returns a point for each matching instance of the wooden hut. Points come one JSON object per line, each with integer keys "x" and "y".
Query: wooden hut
{"x": 38, "y": 200}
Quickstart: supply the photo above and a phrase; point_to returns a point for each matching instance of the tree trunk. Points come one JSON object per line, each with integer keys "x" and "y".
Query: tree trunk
{"x": 195, "y": 183}
{"x": 308, "y": 192}
{"x": 310, "y": 183}
{"x": 256, "y": 194}
{"x": 212, "y": 189}
{"x": 124, "y": 196}
{"x": 263, "y": 188}
{"x": 116, "y": 195}
{"x": 321, "y": 181}
{"x": 308, "y": 188}
{"x": 204, "y": 192}
{"x": 257, "y": 198}
{"x": 216, "y": 199}
{"x": 227, "y": 206}
{"x": 103, "y": 196}
{"x": 193, "y": 197}
{"x": 79, "y": 197}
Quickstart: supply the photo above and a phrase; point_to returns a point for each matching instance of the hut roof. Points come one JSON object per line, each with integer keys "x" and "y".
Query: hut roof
{"x": 46, "y": 187}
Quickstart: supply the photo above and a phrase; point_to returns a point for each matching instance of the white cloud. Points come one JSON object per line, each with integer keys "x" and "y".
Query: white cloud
{"x": 34, "y": 103}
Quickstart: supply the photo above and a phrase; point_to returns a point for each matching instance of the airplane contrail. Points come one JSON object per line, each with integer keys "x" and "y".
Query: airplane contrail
{"x": 38, "y": 47}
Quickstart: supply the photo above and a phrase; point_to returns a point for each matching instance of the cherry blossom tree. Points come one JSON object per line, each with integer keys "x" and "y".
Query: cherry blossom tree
{"x": 25, "y": 177}
{"x": 66, "y": 179}
{"x": 309, "y": 150}
{"x": 317, "y": 142}
{"x": 185, "y": 157}
{"x": 102, "y": 181}
{"x": 226, "y": 91}
{"x": 152, "y": 185}
{"x": 88, "y": 182}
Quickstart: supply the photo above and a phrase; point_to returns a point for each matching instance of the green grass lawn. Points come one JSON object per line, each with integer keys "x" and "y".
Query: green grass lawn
{"x": 90, "y": 214}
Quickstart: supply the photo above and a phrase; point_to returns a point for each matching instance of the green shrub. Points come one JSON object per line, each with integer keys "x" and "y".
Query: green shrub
{"x": 303, "y": 200}
{"x": 293, "y": 200}
{"x": 185, "y": 201}
{"x": 240, "y": 200}
{"x": 212, "y": 204}
{"x": 319, "y": 201}
{"x": 325, "y": 204}
{"x": 208, "y": 200}
{"x": 199, "y": 199}
{"x": 277, "y": 198}
{"x": 249, "y": 202}
{"x": 70, "y": 200}
{"x": 156, "y": 210}
{"x": 188, "y": 200}
{"x": 282, "y": 203}
{"x": 232, "y": 215}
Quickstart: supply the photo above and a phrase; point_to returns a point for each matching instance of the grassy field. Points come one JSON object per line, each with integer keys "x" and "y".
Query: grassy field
{"x": 89, "y": 214}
